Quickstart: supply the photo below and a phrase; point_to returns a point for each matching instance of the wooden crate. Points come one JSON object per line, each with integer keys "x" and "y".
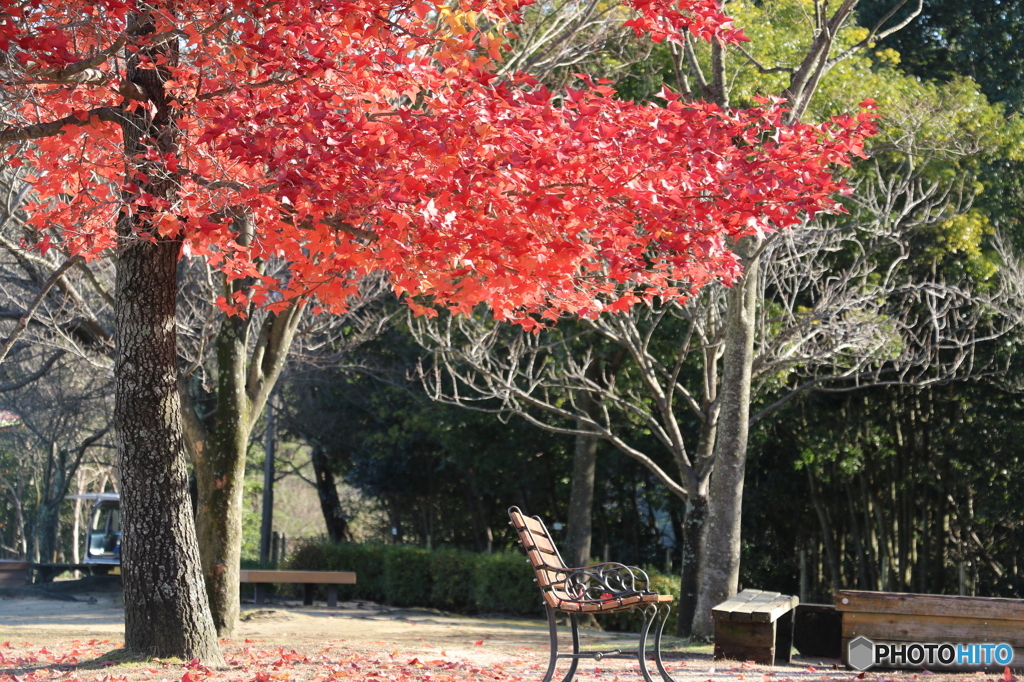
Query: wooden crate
{"x": 896, "y": 618}
{"x": 755, "y": 626}
{"x": 14, "y": 573}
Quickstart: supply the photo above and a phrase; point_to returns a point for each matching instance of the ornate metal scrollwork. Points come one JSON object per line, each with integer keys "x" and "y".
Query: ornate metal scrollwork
{"x": 605, "y": 582}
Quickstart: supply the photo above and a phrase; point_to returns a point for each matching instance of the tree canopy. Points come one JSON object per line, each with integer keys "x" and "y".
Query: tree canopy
{"x": 353, "y": 137}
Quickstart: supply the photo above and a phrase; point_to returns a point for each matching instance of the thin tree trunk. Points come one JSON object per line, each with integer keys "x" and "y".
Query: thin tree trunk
{"x": 47, "y": 525}
{"x": 243, "y": 388}
{"x": 694, "y": 526}
{"x": 76, "y": 524}
{"x": 220, "y": 472}
{"x": 581, "y": 500}
{"x": 693, "y": 532}
{"x": 20, "y": 540}
{"x": 720, "y": 565}
{"x": 858, "y": 543}
{"x": 330, "y": 504}
{"x": 826, "y": 530}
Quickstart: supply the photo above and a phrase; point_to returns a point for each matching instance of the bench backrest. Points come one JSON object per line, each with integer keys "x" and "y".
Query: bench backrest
{"x": 543, "y": 555}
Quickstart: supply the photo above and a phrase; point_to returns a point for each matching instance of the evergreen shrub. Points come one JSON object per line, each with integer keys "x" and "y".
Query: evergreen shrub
{"x": 407, "y": 578}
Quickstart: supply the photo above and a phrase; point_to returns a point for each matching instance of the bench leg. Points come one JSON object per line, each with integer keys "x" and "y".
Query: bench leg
{"x": 261, "y": 593}
{"x": 307, "y": 594}
{"x": 332, "y": 595}
{"x": 575, "y": 624}
{"x": 552, "y": 644}
{"x": 784, "y": 638}
{"x": 553, "y": 632}
{"x": 650, "y": 615}
{"x": 657, "y": 644}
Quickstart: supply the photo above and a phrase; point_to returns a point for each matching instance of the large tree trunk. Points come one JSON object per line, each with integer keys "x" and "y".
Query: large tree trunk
{"x": 166, "y": 610}
{"x": 220, "y": 473}
{"x": 720, "y": 568}
{"x": 581, "y": 500}
{"x": 165, "y": 606}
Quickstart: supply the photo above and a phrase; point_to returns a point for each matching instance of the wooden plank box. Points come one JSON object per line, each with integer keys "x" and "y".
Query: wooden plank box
{"x": 896, "y": 618}
{"x": 755, "y": 626}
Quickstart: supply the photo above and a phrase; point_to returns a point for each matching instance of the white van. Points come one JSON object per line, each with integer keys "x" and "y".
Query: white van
{"x": 103, "y": 535}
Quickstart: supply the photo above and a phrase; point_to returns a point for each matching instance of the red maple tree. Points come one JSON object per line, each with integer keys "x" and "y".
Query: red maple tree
{"x": 351, "y": 136}
{"x": 358, "y": 136}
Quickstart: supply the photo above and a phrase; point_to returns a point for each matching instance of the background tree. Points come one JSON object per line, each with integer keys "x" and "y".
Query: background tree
{"x": 805, "y": 334}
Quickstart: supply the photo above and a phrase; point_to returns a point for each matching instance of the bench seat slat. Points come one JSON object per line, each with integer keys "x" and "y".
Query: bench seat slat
{"x": 614, "y": 604}
{"x": 753, "y": 606}
{"x": 543, "y": 544}
{"x": 771, "y": 611}
{"x": 321, "y": 577}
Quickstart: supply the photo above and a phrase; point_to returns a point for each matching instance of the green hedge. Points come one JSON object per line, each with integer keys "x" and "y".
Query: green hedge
{"x": 447, "y": 579}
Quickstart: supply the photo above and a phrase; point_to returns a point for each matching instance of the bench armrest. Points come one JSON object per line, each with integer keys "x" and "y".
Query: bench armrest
{"x": 605, "y": 581}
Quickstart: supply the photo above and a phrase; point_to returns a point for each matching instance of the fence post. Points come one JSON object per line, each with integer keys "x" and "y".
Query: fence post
{"x": 803, "y": 575}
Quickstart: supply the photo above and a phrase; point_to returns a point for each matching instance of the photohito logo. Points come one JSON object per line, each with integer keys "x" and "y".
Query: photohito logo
{"x": 863, "y": 653}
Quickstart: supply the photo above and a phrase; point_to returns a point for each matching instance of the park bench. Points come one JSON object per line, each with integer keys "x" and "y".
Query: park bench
{"x": 601, "y": 588}
{"x": 308, "y": 580}
{"x": 755, "y": 626}
{"x": 892, "y": 618}
{"x": 14, "y": 574}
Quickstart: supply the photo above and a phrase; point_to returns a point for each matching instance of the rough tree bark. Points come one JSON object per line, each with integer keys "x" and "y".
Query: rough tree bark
{"x": 166, "y": 609}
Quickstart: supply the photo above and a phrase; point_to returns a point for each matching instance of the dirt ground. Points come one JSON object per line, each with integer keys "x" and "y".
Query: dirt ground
{"x": 51, "y": 639}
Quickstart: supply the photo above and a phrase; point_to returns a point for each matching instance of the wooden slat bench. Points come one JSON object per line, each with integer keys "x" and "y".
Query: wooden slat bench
{"x": 900, "y": 618}
{"x": 601, "y": 588}
{"x": 308, "y": 580}
{"x": 14, "y": 574}
{"x": 755, "y": 626}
